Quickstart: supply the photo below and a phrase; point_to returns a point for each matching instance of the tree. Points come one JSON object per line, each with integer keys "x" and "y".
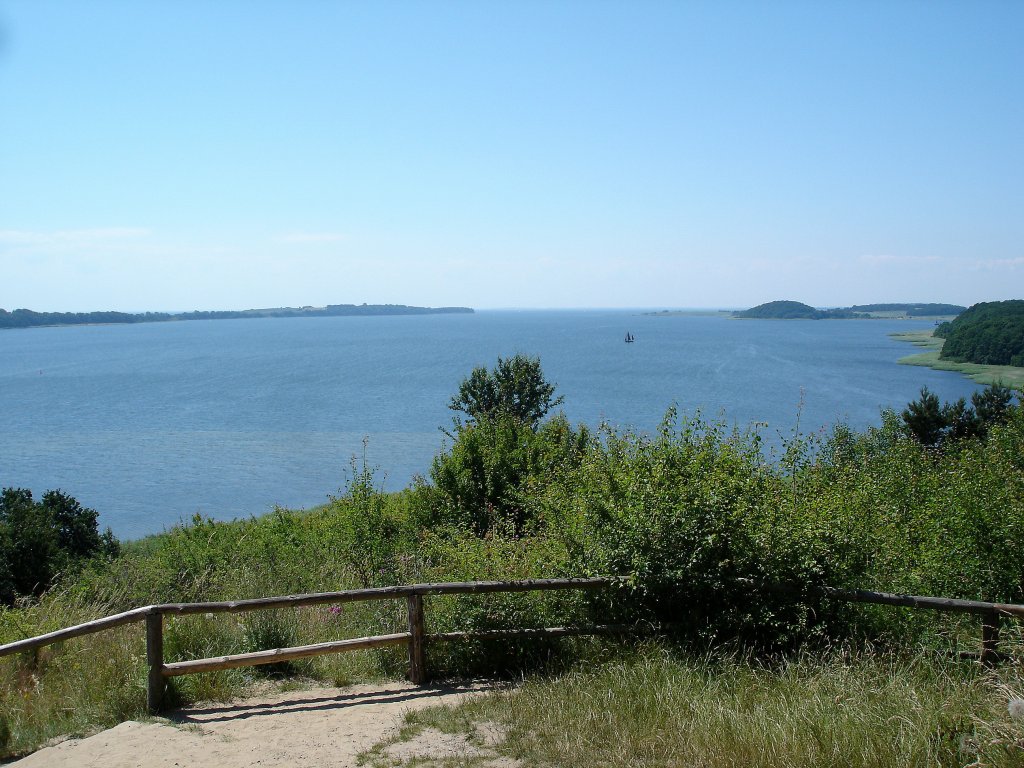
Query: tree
{"x": 479, "y": 484}
{"x": 924, "y": 419}
{"x": 993, "y": 404}
{"x": 39, "y": 540}
{"x": 960, "y": 421}
{"x": 514, "y": 388}
{"x": 495, "y": 464}
{"x": 932, "y": 424}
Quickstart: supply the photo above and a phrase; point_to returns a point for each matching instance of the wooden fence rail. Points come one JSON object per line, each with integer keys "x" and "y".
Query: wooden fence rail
{"x": 990, "y": 613}
{"x": 416, "y": 637}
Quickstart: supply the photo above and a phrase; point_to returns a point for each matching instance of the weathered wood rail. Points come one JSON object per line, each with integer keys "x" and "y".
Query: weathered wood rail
{"x": 990, "y": 613}
{"x": 416, "y": 637}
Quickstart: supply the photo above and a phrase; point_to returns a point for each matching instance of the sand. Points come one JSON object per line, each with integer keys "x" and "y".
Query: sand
{"x": 317, "y": 727}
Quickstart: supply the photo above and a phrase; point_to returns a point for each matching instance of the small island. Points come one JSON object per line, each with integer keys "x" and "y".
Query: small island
{"x": 795, "y": 310}
{"x": 26, "y": 318}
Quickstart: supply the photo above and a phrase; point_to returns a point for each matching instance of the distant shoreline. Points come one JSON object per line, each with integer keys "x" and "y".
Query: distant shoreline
{"x": 1009, "y": 375}
{"x": 26, "y": 318}
{"x": 690, "y": 313}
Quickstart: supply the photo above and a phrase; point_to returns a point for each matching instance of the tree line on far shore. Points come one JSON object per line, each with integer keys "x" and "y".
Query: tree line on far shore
{"x": 27, "y": 318}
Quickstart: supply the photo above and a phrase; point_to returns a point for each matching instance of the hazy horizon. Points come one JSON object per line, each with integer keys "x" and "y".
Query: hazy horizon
{"x": 649, "y": 308}
{"x": 505, "y": 155}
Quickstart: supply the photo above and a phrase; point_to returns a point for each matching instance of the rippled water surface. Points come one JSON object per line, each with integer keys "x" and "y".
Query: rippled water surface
{"x": 150, "y": 424}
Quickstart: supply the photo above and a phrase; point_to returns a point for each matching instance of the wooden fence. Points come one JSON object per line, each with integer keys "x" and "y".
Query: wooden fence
{"x": 416, "y": 638}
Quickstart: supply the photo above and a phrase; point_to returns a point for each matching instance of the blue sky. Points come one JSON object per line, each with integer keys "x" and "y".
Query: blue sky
{"x": 233, "y": 154}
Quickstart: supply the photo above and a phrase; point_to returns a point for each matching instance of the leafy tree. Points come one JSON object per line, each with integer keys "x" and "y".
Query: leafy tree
{"x": 960, "y": 421}
{"x": 503, "y": 450}
{"x": 990, "y": 333}
{"x": 39, "y": 540}
{"x": 515, "y": 388}
{"x": 482, "y": 484}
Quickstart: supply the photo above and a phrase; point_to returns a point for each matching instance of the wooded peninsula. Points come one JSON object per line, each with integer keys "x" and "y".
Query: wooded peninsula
{"x": 989, "y": 333}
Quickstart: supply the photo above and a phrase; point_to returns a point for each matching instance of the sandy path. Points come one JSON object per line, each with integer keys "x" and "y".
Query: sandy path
{"x": 317, "y": 727}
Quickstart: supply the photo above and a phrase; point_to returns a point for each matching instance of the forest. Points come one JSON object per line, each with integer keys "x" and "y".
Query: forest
{"x": 989, "y": 333}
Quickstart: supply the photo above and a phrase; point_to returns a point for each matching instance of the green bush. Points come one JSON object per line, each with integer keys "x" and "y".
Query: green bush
{"x": 41, "y": 540}
{"x": 690, "y": 519}
{"x": 487, "y": 478}
{"x": 368, "y": 530}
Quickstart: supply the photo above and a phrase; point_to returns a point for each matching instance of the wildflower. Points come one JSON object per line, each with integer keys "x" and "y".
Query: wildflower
{"x": 335, "y": 610}
{"x": 1016, "y": 708}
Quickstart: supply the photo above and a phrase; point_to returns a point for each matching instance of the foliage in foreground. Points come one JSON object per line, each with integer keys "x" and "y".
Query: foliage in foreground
{"x": 42, "y": 540}
{"x": 710, "y": 537}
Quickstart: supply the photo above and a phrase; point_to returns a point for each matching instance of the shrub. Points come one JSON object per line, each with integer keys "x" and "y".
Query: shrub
{"x": 40, "y": 540}
{"x": 485, "y": 481}
{"x": 690, "y": 520}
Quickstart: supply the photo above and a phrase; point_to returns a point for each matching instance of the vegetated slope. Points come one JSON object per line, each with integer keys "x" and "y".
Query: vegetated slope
{"x": 712, "y": 538}
{"x": 26, "y": 318}
{"x": 795, "y": 310}
{"x": 989, "y": 333}
{"x": 912, "y": 310}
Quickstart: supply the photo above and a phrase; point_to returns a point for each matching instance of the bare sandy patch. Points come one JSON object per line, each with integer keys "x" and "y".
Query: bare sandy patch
{"x": 431, "y": 747}
{"x": 319, "y": 726}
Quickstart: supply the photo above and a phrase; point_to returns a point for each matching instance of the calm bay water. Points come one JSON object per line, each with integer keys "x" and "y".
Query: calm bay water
{"x": 150, "y": 424}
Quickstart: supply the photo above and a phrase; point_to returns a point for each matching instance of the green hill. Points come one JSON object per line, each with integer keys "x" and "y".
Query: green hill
{"x": 795, "y": 310}
{"x": 989, "y": 333}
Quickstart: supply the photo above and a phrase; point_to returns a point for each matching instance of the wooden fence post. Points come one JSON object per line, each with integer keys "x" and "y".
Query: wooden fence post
{"x": 155, "y": 660}
{"x": 417, "y": 659}
{"x": 990, "y": 638}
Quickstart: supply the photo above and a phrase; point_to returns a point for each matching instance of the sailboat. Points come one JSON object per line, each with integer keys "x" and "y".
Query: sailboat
{"x": 629, "y": 338}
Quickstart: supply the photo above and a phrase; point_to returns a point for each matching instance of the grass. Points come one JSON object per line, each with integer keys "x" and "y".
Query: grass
{"x": 72, "y": 689}
{"x": 85, "y": 684}
{"x": 658, "y": 709}
{"x": 1011, "y": 376}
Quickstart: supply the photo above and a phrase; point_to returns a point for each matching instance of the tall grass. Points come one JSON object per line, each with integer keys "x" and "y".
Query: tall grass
{"x": 71, "y": 688}
{"x": 657, "y": 709}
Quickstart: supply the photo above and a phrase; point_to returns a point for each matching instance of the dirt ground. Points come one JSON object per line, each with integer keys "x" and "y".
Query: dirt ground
{"x": 316, "y": 727}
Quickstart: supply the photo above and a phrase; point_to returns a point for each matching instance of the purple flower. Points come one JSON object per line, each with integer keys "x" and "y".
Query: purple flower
{"x": 335, "y": 610}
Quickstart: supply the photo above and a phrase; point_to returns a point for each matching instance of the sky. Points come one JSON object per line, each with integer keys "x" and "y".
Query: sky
{"x": 180, "y": 155}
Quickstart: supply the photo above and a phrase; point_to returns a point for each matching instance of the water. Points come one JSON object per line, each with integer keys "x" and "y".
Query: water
{"x": 151, "y": 424}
